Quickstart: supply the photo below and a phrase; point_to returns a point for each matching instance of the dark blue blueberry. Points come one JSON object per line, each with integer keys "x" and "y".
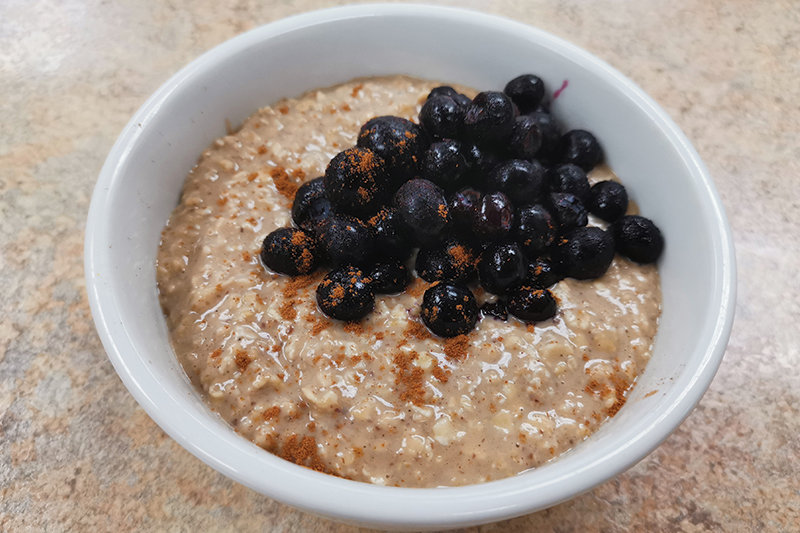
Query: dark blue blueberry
{"x": 501, "y": 267}
{"x": 522, "y": 181}
{"x": 542, "y": 274}
{"x": 581, "y": 148}
{"x": 568, "y": 212}
{"x": 464, "y": 207}
{"x": 526, "y": 138}
{"x": 310, "y": 204}
{"x": 526, "y": 91}
{"x": 356, "y": 181}
{"x": 423, "y": 208}
{"x": 497, "y": 309}
{"x": 442, "y": 90}
{"x": 638, "y": 238}
{"x": 346, "y": 294}
{"x": 608, "y": 200}
{"x": 481, "y": 162}
{"x": 534, "y": 229}
{"x": 489, "y": 119}
{"x": 532, "y": 304}
{"x": 445, "y": 163}
{"x": 585, "y": 253}
{"x": 346, "y": 240}
{"x": 551, "y": 135}
{"x": 290, "y": 251}
{"x": 453, "y": 261}
{"x": 442, "y": 117}
{"x": 571, "y": 179}
{"x": 449, "y": 310}
{"x": 494, "y": 218}
{"x": 397, "y": 140}
{"x": 389, "y": 278}
{"x": 389, "y": 234}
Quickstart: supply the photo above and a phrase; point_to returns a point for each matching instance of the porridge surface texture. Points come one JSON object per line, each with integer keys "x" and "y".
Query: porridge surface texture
{"x": 383, "y": 400}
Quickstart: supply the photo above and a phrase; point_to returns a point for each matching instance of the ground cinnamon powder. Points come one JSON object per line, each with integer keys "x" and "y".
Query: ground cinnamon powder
{"x": 285, "y": 184}
{"x": 409, "y": 379}
{"x": 456, "y": 347}
{"x": 302, "y": 451}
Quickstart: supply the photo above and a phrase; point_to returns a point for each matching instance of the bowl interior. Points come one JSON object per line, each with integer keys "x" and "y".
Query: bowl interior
{"x": 141, "y": 182}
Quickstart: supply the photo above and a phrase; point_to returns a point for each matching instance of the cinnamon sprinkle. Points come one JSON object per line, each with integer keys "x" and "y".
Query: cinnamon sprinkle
{"x": 354, "y": 328}
{"x": 416, "y": 330}
{"x": 409, "y": 379}
{"x": 242, "y": 360}
{"x": 283, "y": 182}
{"x": 456, "y": 347}
{"x": 272, "y": 412}
{"x": 441, "y": 374}
{"x": 303, "y": 452}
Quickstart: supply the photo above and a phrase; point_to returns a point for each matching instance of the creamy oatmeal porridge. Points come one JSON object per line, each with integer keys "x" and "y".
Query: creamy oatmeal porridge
{"x": 383, "y": 400}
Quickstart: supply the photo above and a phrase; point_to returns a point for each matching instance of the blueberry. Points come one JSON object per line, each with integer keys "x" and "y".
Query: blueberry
{"x": 551, "y": 135}
{"x": 534, "y": 229}
{"x": 453, "y": 261}
{"x": 389, "y": 278}
{"x": 497, "y": 310}
{"x": 464, "y": 207}
{"x": 522, "y": 181}
{"x": 389, "y": 234}
{"x": 608, "y": 200}
{"x": 356, "y": 181}
{"x": 585, "y": 253}
{"x": 542, "y": 273}
{"x": 495, "y": 217}
{"x": 526, "y": 91}
{"x": 489, "y": 119}
{"x": 445, "y": 163}
{"x": 346, "y": 240}
{"x": 581, "y": 148}
{"x": 442, "y": 90}
{"x": 526, "y": 138}
{"x": 310, "y": 204}
{"x": 567, "y": 211}
{"x": 397, "y": 140}
{"x": 481, "y": 162}
{"x": 501, "y": 267}
{"x": 571, "y": 179}
{"x": 638, "y": 238}
{"x": 442, "y": 117}
{"x": 423, "y": 209}
{"x": 290, "y": 251}
{"x": 345, "y": 294}
{"x": 449, "y": 310}
{"x": 532, "y": 304}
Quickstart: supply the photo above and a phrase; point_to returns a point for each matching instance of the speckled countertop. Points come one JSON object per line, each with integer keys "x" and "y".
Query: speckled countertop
{"x": 76, "y": 451}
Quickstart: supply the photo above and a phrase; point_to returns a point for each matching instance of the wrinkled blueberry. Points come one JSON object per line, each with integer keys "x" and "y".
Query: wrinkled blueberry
{"x": 532, "y": 304}
{"x": 389, "y": 234}
{"x": 571, "y": 179}
{"x": 534, "y": 229}
{"x": 585, "y": 253}
{"x": 526, "y": 138}
{"x": 608, "y": 200}
{"x": 526, "y": 91}
{"x": 453, "y": 261}
{"x": 423, "y": 209}
{"x": 445, "y": 164}
{"x": 464, "y": 207}
{"x": 345, "y": 294}
{"x": 442, "y": 117}
{"x": 581, "y": 148}
{"x": 522, "y": 181}
{"x": 356, "y": 181}
{"x": 397, "y": 140}
{"x": 638, "y": 238}
{"x": 542, "y": 273}
{"x": 497, "y": 309}
{"x": 551, "y": 135}
{"x": 290, "y": 251}
{"x": 501, "y": 267}
{"x": 495, "y": 217}
{"x": 568, "y": 212}
{"x": 389, "y": 278}
{"x": 346, "y": 240}
{"x": 310, "y": 204}
{"x": 489, "y": 119}
{"x": 449, "y": 310}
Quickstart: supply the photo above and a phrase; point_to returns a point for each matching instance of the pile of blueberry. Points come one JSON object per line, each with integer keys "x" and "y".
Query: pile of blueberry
{"x": 486, "y": 189}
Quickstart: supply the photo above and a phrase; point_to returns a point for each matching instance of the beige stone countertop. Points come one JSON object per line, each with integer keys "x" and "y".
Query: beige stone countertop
{"x": 78, "y": 453}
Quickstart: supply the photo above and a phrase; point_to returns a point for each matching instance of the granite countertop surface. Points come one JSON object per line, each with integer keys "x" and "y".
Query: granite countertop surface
{"x": 78, "y": 453}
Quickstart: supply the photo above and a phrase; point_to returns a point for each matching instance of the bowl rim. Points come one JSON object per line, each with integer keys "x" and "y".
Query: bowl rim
{"x": 374, "y": 504}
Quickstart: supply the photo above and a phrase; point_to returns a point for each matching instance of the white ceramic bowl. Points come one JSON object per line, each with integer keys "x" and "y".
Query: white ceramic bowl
{"x": 140, "y": 182}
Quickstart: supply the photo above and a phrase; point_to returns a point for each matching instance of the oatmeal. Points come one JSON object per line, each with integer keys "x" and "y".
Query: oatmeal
{"x": 382, "y": 400}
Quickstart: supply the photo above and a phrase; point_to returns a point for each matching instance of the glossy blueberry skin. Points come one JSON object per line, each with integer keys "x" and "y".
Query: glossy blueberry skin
{"x": 542, "y": 274}
{"x": 442, "y": 90}
{"x": 568, "y": 212}
{"x": 399, "y": 142}
{"x": 608, "y": 200}
{"x": 390, "y": 236}
{"x": 389, "y": 278}
{"x": 445, "y": 163}
{"x": 581, "y": 148}
{"x": 534, "y": 229}
{"x": 494, "y": 218}
{"x": 356, "y": 181}
{"x": 290, "y": 251}
{"x": 522, "y": 181}
{"x": 527, "y": 91}
{"x": 442, "y": 117}
{"x": 497, "y": 309}
{"x": 585, "y": 253}
{"x": 345, "y": 294}
{"x": 526, "y": 138}
{"x": 423, "y": 209}
{"x": 346, "y": 240}
{"x": 481, "y": 162}
{"x": 310, "y": 205}
{"x": 551, "y": 135}
{"x": 452, "y": 261}
{"x": 532, "y": 304}
{"x": 489, "y": 119}
{"x": 570, "y": 179}
{"x": 501, "y": 267}
{"x": 638, "y": 238}
{"x": 464, "y": 207}
{"x": 449, "y": 309}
